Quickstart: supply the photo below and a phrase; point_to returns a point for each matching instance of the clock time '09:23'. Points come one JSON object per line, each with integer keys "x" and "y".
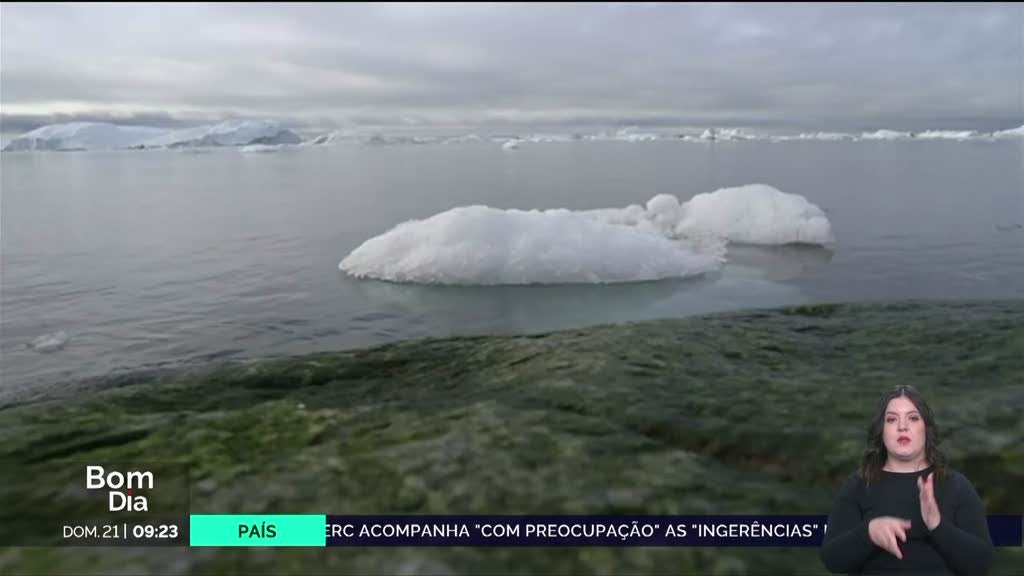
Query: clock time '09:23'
{"x": 121, "y": 531}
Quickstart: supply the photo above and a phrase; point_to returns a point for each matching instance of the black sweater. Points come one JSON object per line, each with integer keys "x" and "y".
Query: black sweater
{"x": 959, "y": 545}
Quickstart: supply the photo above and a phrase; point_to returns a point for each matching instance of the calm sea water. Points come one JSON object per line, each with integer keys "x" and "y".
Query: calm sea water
{"x": 162, "y": 258}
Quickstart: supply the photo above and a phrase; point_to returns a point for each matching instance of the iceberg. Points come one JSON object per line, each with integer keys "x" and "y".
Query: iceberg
{"x": 885, "y": 135}
{"x": 323, "y": 140}
{"x": 548, "y": 138}
{"x": 83, "y": 136}
{"x": 630, "y": 134}
{"x": 107, "y": 136}
{"x": 480, "y": 245}
{"x": 1011, "y": 133}
{"x": 826, "y": 136}
{"x": 334, "y": 137}
{"x": 260, "y": 148}
{"x": 946, "y": 135}
{"x": 734, "y": 134}
{"x": 382, "y": 140}
{"x": 281, "y": 138}
{"x": 49, "y": 342}
{"x": 229, "y": 133}
{"x": 463, "y": 139}
{"x": 711, "y": 134}
{"x": 627, "y": 134}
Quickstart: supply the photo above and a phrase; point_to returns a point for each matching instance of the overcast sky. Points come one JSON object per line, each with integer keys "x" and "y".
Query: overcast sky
{"x": 940, "y": 65}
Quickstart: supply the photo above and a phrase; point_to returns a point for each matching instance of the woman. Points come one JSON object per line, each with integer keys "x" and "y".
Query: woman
{"x": 905, "y": 510}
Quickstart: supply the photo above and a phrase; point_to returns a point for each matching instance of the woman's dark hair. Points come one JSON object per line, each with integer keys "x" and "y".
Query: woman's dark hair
{"x": 875, "y": 454}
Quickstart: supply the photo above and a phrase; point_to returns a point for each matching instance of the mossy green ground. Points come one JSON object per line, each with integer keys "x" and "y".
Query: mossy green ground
{"x": 759, "y": 412}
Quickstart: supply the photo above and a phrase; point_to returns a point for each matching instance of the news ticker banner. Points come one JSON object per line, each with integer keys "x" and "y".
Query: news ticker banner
{"x": 149, "y": 505}
{"x": 505, "y": 530}
{"x": 317, "y": 530}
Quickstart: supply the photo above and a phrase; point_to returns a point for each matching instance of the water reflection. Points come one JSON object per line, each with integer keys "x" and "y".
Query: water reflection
{"x": 780, "y": 263}
{"x": 541, "y": 308}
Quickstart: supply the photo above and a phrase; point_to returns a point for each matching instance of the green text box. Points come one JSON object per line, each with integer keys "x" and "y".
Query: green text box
{"x": 287, "y": 530}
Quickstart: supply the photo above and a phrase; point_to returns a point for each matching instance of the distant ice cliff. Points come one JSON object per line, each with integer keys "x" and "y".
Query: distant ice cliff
{"x": 106, "y": 136}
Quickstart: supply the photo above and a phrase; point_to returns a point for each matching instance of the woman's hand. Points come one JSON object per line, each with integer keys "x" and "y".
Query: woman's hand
{"x": 929, "y": 507}
{"x": 887, "y": 531}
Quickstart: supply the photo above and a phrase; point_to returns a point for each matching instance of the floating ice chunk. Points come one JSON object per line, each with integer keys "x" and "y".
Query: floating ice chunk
{"x": 710, "y": 134}
{"x": 463, "y": 139}
{"x": 49, "y": 342}
{"x": 399, "y": 140}
{"x": 664, "y": 239}
{"x": 885, "y": 135}
{"x": 551, "y": 138}
{"x": 511, "y": 145}
{"x": 485, "y": 246}
{"x": 630, "y": 134}
{"x": 826, "y": 136}
{"x": 638, "y": 137}
{"x": 734, "y": 134}
{"x": 946, "y": 135}
{"x": 754, "y": 214}
{"x": 261, "y": 148}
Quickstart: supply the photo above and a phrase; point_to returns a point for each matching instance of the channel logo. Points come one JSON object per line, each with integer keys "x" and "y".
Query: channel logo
{"x": 122, "y": 487}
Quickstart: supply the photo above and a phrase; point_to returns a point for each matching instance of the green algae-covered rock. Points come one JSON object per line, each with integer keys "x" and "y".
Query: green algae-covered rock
{"x": 760, "y": 412}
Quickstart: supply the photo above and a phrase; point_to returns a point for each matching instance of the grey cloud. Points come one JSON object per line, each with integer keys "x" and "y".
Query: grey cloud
{"x": 825, "y": 65}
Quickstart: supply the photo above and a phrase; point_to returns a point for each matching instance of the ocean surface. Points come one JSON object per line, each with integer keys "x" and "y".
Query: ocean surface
{"x": 163, "y": 258}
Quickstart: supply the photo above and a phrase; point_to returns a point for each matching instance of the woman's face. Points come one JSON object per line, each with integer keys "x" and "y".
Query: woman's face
{"x": 903, "y": 430}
